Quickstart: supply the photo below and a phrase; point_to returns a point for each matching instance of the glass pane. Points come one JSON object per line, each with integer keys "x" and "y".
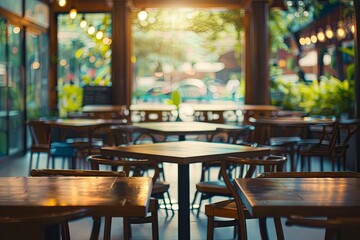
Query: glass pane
{"x": 16, "y": 88}
{"x": 14, "y": 6}
{"x": 84, "y": 57}
{"x": 33, "y": 76}
{"x": 196, "y": 52}
{"x": 37, "y": 12}
{"x": 3, "y": 91}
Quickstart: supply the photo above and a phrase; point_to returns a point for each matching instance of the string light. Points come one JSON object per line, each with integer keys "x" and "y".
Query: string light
{"x": 73, "y": 13}
{"x": 91, "y": 30}
{"x": 329, "y": 32}
{"x": 142, "y": 15}
{"x": 62, "y": 3}
{"x": 321, "y": 35}
{"x": 83, "y": 22}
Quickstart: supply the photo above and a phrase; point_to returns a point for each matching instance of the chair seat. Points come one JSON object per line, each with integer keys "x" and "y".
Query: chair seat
{"x": 226, "y": 209}
{"x": 84, "y": 142}
{"x": 281, "y": 141}
{"x": 160, "y": 187}
{"x": 63, "y": 151}
{"x": 213, "y": 187}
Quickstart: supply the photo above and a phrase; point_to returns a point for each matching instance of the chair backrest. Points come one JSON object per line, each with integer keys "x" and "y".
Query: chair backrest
{"x": 248, "y": 168}
{"x": 309, "y": 175}
{"x": 40, "y": 132}
{"x": 130, "y": 167}
{"x": 88, "y": 173}
{"x": 242, "y": 135}
{"x": 349, "y": 126}
{"x": 128, "y": 134}
{"x": 329, "y": 134}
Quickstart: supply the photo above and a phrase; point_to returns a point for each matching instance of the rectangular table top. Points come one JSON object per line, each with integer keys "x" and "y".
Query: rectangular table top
{"x": 280, "y": 197}
{"x": 178, "y": 128}
{"x": 184, "y": 152}
{"x": 121, "y": 196}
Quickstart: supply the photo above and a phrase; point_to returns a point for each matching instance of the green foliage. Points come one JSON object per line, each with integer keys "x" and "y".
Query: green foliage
{"x": 70, "y": 97}
{"x": 176, "y": 99}
{"x": 329, "y": 97}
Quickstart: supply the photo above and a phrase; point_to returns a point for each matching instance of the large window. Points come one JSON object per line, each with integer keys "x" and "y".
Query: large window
{"x": 84, "y": 57}
{"x": 194, "y": 51}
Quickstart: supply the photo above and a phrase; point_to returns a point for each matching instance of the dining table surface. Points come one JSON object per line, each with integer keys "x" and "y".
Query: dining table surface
{"x": 182, "y": 129}
{"x": 184, "y": 153}
{"x": 83, "y": 127}
{"x": 308, "y": 197}
{"x": 104, "y": 196}
{"x": 29, "y": 197}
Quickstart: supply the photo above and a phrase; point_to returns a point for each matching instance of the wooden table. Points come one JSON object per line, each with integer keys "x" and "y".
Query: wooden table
{"x": 268, "y": 127}
{"x": 153, "y": 112}
{"x": 103, "y": 196}
{"x": 281, "y": 197}
{"x": 182, "y": 129}
{"x": 107, "y": 111}
{"x": 184, "y": 153}
{"x": 87, "y": 126}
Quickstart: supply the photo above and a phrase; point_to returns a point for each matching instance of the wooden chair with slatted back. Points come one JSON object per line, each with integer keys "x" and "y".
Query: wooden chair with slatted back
{"x": 348, "y": 128}
{"x": 129, "y": 134}
{"x": 335, "y": 227}
{"x": 208, "y": 188}
{"x": 233, "y": 209}
{"x": 40, "y": 133}
{"x": 325, "y": 147}
{"x": 78, "y": 173}
{"x": 128, "y": 167}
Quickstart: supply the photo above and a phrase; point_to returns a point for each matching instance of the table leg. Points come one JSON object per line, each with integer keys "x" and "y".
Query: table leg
{"x": 184, "y": 204}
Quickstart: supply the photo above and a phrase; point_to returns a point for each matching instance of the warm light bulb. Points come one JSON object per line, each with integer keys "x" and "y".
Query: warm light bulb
{"x": 329, "y": 32}
{"x": 313, "y": 38}
{"x": 83, "y": 23}
{"x": 321, "y": 36}
{"x": 352, "y": 28}
{"x": 302, "y": 41}
{"x": 307, "y": 41}
{"x": 62, "y": 3}
{"x": 142, "y": 15}
{"x": 99, "y": 34}
{"x": 73, "y": 13}
{"x": 340, "y": 33}
{"x": 91, "y": 30}
{"x": 16, "y": 30}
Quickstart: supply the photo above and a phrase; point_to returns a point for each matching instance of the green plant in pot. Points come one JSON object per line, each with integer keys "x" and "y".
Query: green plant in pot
{"x": 176, "y": 99}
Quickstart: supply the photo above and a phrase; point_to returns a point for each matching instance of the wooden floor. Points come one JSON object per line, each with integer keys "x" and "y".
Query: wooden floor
{"x": 80, "y": 229}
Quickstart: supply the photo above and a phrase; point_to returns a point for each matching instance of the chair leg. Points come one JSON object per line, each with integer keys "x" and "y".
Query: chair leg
{"x": 127, "y": 228}
{"x": 95, "y": 231}
{"x": 263, "y": 229}
{"x": 210, "y": 228}
{"x": 194, "y": 200}
{"x": 107, "y": 228}
{"x": 30, "y": 163}
{"x": 65, "y": 233}
{"x": 155, "y": 223}
{"x": 279, "y": 229}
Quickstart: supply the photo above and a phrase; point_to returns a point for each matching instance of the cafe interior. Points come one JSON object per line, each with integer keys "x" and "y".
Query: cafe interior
{"x": 178, "y": 119}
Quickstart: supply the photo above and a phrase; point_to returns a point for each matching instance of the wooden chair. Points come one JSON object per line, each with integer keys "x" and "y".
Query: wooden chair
{"x": 128, "y": 165}
{"x": 130, "y": 134}
{"x": 40, "y": 133}
{"x": 66, "y": 216}
{"x": 325, "y": 147}
{"x": 208, "y": 188}
{"x": 233, "y": 208}
{"x": 347, "y": 127}
{"x": 333, "y": 226}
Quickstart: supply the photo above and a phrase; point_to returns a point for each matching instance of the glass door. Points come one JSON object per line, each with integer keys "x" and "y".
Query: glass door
{"x": 11, "y": 89}
{"x": 36, "y": 75}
